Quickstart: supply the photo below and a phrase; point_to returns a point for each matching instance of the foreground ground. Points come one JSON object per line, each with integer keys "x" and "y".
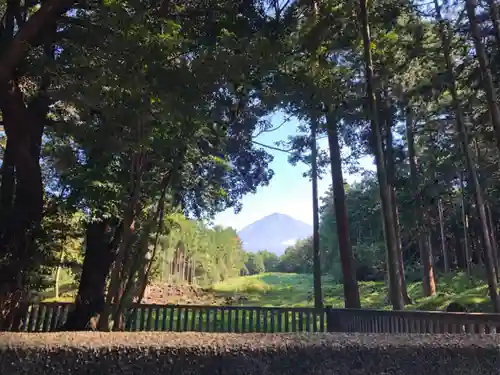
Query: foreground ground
{"x": 155, "y": 353}
{"x": 285, "y": 289}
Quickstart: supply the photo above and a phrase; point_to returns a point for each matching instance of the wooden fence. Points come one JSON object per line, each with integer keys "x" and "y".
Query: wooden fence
{"x": 46, "y": 317}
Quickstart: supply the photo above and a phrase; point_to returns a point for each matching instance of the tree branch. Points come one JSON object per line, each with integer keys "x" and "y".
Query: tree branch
{"x": 273, "y": 129}
{"x": 272, "y": 147}
{"x": 15, "y": 51}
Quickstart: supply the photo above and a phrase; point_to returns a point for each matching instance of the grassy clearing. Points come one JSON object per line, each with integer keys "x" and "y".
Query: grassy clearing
{"x": 67, "y": 289}
{"x": 284, "y": 289}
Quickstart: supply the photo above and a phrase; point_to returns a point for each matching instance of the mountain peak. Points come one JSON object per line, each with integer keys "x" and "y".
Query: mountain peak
{"x": 274, "y": 232}
{"x": 276, "y": 215}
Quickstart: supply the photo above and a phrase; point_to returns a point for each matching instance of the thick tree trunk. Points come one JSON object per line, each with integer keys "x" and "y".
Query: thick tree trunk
{"x": 391, "y": 239}
{"x": 464, "y": 143}
{"x": 97, "y": 262}
{"x": 8, "y": 181}
{"x": 22, "y": 189}
{"x": 118, "y": 275}
{"x": 351, "y": 289}
{"x": 318, "y": 293}
{"x": 22, "y": 197}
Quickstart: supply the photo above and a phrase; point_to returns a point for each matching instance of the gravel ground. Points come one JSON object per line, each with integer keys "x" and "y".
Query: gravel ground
{"x": 232, "y": 354}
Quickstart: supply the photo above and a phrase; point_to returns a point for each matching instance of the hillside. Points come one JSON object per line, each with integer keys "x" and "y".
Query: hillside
{"x": 274, "y": 233}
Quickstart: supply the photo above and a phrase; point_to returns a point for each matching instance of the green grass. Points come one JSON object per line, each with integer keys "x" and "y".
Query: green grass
{"x": 67, "y": 289}
{"x": 471, "y": 292}
{"x": 284, "y": 289}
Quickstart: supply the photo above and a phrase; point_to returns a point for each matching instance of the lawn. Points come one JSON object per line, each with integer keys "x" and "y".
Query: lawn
{"x": 285, "y": 289}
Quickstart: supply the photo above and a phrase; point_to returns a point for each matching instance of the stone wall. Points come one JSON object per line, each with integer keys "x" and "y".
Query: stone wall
{"x": 233, "y": 354}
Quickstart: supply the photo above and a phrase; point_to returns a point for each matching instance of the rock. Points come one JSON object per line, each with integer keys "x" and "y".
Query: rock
{"x": 456, "y": 307}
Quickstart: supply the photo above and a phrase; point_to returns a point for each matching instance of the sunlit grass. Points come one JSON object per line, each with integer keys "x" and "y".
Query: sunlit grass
{"x": 286, "y": 289}
{"x": 247, "y": 285}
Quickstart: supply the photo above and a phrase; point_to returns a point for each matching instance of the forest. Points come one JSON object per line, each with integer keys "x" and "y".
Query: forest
{"x": 125, "y": 120}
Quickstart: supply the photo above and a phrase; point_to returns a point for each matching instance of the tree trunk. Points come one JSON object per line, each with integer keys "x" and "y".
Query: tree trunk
{"x": 8, "y": 181}
{"x": 183, "y": 268}
{"x": 444, "y": 251}
{"x": 475, "y": 226}
{"x": 495, "y": 19}
{"x": 464, "y": 143}
{"x": 120, "y": 267}
{"x": 351, "y": 289}
{"x": 465, "y": 223}
{"x": 486, "y": 77}
{"x": 493, "y": 238}
{"x": 391, "y": 178}
{"x": 135, "y": 275}
{"x": 30, "y": 31}
{"x": 58, "y": 272}
{"x": 22, "y": 196}
{"x": 429, "y": 284}
{"x": 318, "y": 294}
{"x": 99, "y": 253}
{"x": 391, "y": 239}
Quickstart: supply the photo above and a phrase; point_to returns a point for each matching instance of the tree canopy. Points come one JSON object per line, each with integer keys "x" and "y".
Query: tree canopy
{"x": 128, "y": 125}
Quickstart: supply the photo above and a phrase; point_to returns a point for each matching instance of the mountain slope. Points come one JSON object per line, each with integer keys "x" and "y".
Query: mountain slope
{"x": 274, "y": 233}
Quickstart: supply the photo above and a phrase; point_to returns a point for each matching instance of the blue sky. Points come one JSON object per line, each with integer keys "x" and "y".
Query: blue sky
{"x": 289, "y": 192}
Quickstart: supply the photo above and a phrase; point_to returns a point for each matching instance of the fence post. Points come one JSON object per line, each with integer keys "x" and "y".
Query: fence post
{"x": 333, "y": 320}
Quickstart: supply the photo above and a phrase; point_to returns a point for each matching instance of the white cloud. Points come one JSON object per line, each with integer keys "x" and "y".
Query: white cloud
{"x": 291, "y": 242}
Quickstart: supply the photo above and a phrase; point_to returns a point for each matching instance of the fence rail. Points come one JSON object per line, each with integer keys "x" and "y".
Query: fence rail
{"x": 47, "y": 317}
{"x": 433, "y": 322}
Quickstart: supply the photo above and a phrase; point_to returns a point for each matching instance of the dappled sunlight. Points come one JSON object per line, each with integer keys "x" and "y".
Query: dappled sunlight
{"x": 295, "y": 290}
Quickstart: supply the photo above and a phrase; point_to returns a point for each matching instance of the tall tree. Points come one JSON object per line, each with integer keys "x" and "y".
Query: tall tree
{"x": 464, "y": 143}
{"x": 429, "y": 283}
{"x": 351, "y": 289}
{"x": 318, "y": 293}
{"x": 376, "y": 133}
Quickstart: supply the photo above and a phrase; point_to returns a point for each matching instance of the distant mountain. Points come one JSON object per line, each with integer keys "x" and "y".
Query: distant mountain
{"x": 274, "y": 233}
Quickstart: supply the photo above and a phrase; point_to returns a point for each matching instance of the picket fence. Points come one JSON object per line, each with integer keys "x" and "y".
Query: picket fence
{"x": 49, "y": 317}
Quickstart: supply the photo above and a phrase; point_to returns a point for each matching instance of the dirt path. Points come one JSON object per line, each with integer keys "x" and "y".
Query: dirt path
{"x": 163, "y": 294}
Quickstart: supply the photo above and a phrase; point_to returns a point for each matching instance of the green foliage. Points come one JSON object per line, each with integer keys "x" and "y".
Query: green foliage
{"x": 152, "y": 108}
{"x": 365, "y": 231}
{"x": 271, "y": 261}
{"x": 216, "y": 253}
{"x": 288, "y": 289}
{"x": 297, "y": 258}
{"x": 255, "y": 264}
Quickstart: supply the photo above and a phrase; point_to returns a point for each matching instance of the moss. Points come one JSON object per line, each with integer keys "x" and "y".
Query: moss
{"x": 197, "y": 353}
